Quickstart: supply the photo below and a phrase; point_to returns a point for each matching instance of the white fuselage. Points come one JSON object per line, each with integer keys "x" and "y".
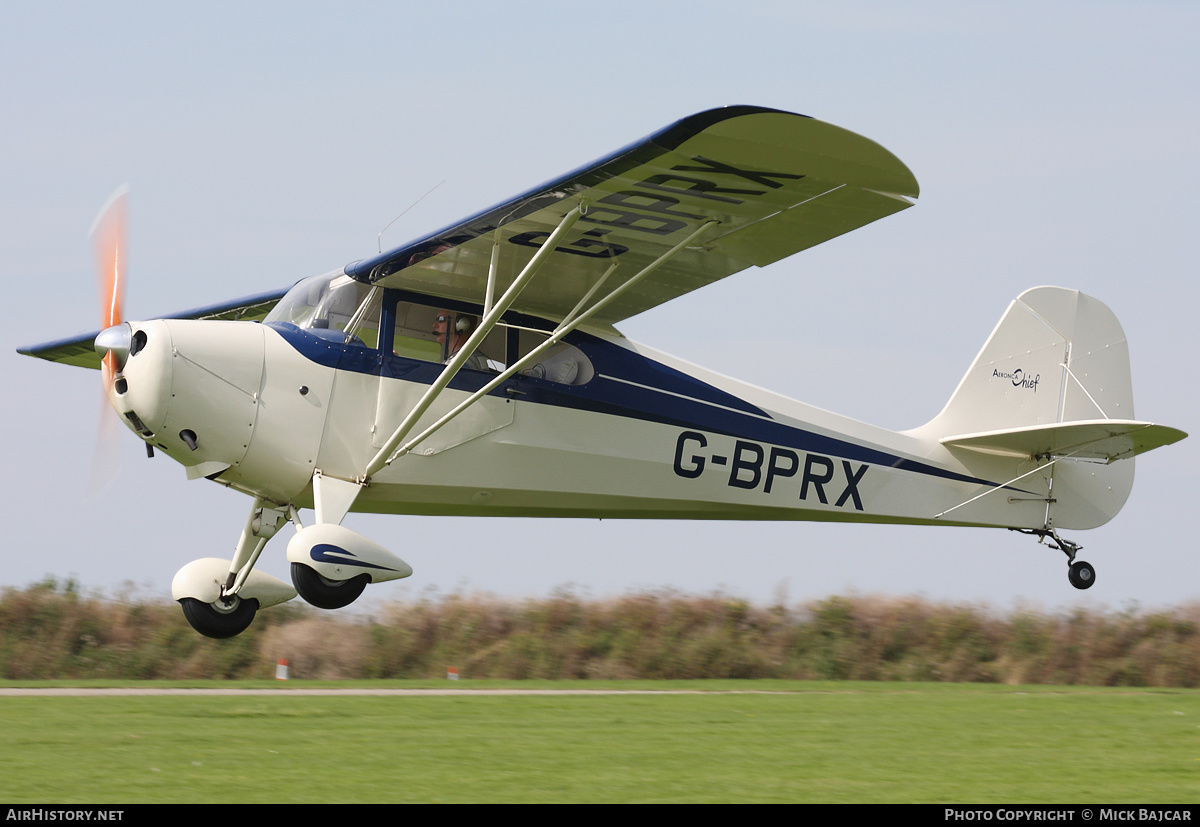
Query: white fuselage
{"x": 266, "y": 414}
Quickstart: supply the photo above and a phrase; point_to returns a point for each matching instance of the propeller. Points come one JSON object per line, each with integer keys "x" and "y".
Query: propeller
{"x": 108, "y": 240}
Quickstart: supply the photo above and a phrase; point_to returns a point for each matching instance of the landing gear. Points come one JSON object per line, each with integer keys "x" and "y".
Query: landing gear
{"x": 325, "y": 593}
{"x": 220, "y": 597}
{"x": 223, "y": 618}
{"x": 331, "y": 566}
{"x": 1081, "y": 574}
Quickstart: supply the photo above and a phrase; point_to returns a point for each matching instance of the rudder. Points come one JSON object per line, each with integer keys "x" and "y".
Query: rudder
{"x": 1056, "y": 356}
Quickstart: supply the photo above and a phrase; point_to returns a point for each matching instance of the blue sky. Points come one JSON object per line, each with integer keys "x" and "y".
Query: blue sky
{"x": 264, "y": 142}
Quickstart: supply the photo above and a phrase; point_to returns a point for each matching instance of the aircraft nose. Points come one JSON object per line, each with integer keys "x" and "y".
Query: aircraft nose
{"x": 141, "y": 390}
{"x": 116, "y": 340}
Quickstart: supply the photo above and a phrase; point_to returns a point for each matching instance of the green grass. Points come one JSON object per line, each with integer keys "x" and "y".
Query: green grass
{"x": 798, "y": 742}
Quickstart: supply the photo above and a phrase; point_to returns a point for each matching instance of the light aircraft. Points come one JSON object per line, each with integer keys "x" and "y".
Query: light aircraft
{"x": 477, "y": 371}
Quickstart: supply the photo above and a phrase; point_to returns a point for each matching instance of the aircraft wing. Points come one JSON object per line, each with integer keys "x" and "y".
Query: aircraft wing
{"x": 776, "y": 182}
{"x": 79, "y": 350}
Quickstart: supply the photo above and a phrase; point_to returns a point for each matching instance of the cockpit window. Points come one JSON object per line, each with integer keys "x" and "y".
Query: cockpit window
{"x": 337, "y": 308}
{"x": 333, "y": 306}
{"x": 434, "y": 334}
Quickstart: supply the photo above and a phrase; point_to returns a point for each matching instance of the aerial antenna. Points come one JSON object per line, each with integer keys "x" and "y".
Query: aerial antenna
{"x": 379, "y": 238}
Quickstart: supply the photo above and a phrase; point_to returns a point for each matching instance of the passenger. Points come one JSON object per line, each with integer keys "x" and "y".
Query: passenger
{"x": 462, "y": 324}
{"x": 561, "y": 367}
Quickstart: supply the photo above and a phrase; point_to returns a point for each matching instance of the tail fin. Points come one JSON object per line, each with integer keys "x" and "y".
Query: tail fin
{"x": 1052, "y": 383}
{"x": 1056, "y": 356}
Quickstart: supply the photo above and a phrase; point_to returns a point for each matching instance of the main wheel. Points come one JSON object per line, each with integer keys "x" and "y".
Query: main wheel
{"x": 219, "y": 620}
{"x": 325, "y": 593}
{"x": 1081, "y": 574}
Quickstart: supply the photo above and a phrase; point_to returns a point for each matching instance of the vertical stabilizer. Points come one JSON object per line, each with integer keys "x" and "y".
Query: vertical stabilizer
{"x": 1057, "y": 356}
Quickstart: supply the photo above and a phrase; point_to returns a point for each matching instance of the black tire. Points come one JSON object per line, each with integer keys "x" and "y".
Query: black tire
{"x": 218, "y": 621}
{"x": 1081, "y": 574}
{"x": 325, "y": 593}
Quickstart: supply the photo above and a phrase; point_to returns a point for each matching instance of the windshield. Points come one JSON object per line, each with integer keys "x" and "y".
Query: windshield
{"x": 333, "y": 302}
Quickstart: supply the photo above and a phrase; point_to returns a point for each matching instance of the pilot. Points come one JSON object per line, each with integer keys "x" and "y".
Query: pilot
{"x": 460, "y": 326}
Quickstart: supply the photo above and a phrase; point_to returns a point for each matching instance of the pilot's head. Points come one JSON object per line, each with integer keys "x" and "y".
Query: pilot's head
{"x": 461, "y": 323}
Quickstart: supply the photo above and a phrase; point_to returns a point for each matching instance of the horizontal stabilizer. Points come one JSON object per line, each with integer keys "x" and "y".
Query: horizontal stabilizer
{"x": 1106, "y": 439}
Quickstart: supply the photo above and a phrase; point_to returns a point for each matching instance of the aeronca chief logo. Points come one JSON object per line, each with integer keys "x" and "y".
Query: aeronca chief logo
{"x": 1019, "y": 378}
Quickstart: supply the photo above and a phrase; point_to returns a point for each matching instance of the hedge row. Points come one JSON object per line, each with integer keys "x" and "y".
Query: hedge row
{"x": 52, "y": 631}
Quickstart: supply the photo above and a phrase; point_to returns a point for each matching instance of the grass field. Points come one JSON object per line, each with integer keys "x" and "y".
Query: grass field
{"x": 795, "y": 742}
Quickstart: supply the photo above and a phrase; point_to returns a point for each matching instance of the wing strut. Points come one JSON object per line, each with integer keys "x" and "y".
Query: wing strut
{"x": 477, "y": 336}
{"x": 493, "y": 266}
{"x": 573, "y": 320}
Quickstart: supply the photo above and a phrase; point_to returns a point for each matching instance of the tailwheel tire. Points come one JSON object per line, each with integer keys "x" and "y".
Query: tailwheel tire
{"x": 323, "y": 592}
{"x": 1081, "y": 574}
{"x": 219, "y": 620}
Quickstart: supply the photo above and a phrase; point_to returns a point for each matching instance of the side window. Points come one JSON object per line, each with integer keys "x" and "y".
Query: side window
{"x": 561, "y": 363}
{"x": 429, "y": 333}
{"x": 414, "y": 337}
{"x": 433, "y": 334}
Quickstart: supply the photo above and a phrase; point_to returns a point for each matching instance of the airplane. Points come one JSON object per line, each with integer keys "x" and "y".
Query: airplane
{"x": 478, "y": 371}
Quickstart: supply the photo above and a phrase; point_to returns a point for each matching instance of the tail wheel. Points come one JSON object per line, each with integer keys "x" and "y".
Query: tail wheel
{"x": 323, "y": 592}
{"x": 1081, "y": 574}
{"x": 220, "y": 619}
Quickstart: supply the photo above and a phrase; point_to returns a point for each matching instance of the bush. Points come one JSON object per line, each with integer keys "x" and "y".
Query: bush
{"x": 52, "y": 631}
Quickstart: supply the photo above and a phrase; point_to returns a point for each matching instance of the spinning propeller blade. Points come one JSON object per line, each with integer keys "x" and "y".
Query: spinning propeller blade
{"x": 108, "y": 239}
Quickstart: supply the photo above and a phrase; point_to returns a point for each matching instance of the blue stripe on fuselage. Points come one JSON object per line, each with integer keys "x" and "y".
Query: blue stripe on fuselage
{"x": 650, "y": 392}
